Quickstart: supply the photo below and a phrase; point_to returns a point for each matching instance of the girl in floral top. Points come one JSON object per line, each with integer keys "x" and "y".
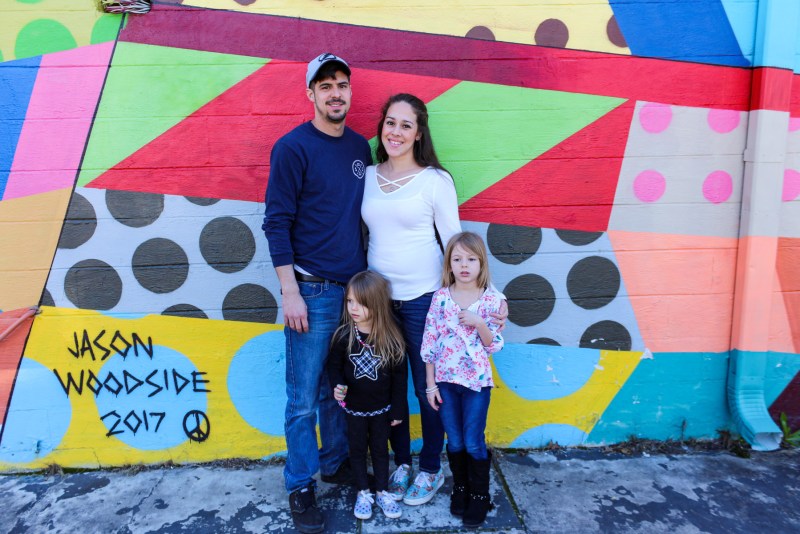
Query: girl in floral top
{"x": 459, "y": 336}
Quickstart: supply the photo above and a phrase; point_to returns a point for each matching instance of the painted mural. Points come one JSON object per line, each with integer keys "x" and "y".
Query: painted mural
{"x": 602, "y": 150}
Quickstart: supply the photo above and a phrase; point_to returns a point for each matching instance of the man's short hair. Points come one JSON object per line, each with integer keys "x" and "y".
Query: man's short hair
{"x": 325, "y": 66}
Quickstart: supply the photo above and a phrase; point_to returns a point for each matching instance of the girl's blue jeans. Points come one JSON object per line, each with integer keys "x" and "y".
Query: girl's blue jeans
{"x": 463, "y": 413}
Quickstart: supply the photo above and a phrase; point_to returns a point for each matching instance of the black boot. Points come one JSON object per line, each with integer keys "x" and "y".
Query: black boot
{"x": 306, "y": 516}
{"x": 479, "y": 502}
{"x": 460, "y": 496}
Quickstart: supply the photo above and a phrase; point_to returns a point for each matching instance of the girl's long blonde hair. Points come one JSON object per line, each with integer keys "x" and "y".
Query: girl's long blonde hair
{"x": 373, "y": 291}
{"x": 472, "y": 242}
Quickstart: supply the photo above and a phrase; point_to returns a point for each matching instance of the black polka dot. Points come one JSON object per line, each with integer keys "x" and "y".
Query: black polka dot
{"x": 200, "y": 201}
{"x": 606, "y": 335}
{"x": 614, "y": 33}
{"x": 93, "y": 285}
{"x": 513, "y": 244}
{"x": 227, "y": 244}
{"x": 47, "y": 299}
{"x": 79, "y": 223}
{"x": 185, "y": 310}
{"x": 134, "y": 209}
{"x": 530, "y": 299}
{"x": 481, "y": 32}
{"x": 552, "y": 32}
{"x": 160, "y": 265}
{"x": 544, "y": 341}
{"x": 578, "y": 238}
{"x": 250, "y": 302}
{"x": 593, "y": 282}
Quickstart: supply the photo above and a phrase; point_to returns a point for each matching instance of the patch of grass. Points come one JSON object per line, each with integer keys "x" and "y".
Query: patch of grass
{"x": 734, "y": 444}
{"x": 791, "y": 438}
{"x": 52, "y": 470}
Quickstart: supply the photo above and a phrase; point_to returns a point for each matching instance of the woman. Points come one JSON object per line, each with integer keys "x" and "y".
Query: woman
{"x": 409, "y": 198}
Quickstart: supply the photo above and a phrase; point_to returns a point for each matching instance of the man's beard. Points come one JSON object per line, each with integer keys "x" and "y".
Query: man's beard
{"x": 337, "y": 119}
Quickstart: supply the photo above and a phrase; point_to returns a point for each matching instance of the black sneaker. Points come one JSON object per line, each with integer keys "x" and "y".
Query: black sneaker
{"x": 343, "y": 475}
{"x": 305, "y": 514}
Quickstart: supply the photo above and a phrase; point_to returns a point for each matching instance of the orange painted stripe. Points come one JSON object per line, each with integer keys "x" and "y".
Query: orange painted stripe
{"x": 10, "y": 355}
{"x": 680, "y": 288}
{"x": 754, "y": 285}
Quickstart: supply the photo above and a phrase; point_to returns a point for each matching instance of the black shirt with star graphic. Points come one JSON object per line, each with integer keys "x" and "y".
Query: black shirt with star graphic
{"x": 369, "y": 387}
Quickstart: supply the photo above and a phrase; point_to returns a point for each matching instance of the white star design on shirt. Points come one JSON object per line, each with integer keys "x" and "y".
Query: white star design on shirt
{"x": 365, "y": 364}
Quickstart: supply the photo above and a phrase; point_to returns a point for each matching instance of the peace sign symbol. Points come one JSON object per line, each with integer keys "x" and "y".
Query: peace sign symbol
{"x": 196, "y": 425}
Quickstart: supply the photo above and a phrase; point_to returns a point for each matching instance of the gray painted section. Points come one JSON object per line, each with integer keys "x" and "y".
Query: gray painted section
{"x": 685, "y": 152}
{"x": 573, "y": 491}
{"x": 765, "y": 163}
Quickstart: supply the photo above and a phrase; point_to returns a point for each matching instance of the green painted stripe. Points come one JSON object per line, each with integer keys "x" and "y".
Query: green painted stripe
{"x": 484, "y": 132}
{"x": 149, "y": 90}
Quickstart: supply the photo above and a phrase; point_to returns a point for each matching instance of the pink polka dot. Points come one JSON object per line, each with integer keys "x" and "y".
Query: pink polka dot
{"x": 791, "y": 185}
{"x": 723, "y": 120}
{"x": 648, "y": 186}
{"x": 794, "y": 124}
{"x": 718, "y": 187}
{"x": 655, "y": 117}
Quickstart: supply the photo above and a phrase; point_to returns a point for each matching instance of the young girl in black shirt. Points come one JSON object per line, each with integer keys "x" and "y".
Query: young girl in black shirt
{"x": 367, "y": 364}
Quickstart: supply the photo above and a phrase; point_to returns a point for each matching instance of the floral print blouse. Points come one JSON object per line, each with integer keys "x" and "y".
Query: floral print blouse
{"x": 456, "y": 349}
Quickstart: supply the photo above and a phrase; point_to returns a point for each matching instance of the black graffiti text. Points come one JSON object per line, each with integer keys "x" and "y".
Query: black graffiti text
{"x": 98, "y": 348}
{"x": 157, "y": 381}
{"x": 133, "y": 421}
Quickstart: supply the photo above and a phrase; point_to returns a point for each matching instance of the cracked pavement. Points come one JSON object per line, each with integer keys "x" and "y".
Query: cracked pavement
{"x": 564, "y": 491}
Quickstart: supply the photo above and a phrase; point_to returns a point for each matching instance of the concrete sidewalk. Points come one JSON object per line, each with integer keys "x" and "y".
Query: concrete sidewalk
{"x": 566, "y": 491}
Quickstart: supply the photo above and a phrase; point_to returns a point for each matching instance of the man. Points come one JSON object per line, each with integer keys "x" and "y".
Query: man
{"x": 313, "y": 225}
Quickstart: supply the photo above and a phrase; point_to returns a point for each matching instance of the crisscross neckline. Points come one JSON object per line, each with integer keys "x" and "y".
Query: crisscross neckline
{"x": 388, "y": 181}
{"x": 395, "y": 185}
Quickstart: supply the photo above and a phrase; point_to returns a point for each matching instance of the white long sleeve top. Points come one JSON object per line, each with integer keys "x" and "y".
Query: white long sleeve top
{"x": 402, "y": 242}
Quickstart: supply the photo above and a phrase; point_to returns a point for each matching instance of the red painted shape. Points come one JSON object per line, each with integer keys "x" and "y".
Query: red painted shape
{"x": 571, "y": 186}
{"x": 794, "y": 104}
{"x": 577, "y": 71}
{"x": 222, "y": 150}
{"x": 11, "y": 354}
{"x": 772, "y": 89}
{"x": 788, "y": 402}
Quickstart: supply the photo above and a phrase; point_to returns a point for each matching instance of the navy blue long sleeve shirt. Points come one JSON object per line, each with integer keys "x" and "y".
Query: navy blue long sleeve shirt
{"x": 313, "y": 202}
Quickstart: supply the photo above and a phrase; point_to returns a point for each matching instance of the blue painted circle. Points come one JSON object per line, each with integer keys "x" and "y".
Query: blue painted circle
{"x": 256, "y": 382}
{"x": 134, "y": 413}
{"x": 543, "y": 372}
{"x": 38, "y": 417}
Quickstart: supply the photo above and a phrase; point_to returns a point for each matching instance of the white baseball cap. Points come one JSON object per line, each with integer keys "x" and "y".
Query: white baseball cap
{"x": 315, "y": 64}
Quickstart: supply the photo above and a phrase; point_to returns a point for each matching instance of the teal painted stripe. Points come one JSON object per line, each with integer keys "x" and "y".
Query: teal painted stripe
{"x": 672, "y": 396}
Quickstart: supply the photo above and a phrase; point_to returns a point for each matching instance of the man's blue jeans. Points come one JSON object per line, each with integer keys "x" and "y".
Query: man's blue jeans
{"x": 463, "y": 412}
{"x": 308, "y": 391}
{"x": 411, "y": 314}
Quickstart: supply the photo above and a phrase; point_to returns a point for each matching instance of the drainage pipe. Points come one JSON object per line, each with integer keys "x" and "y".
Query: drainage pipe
{"x": 764, "y": 163}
